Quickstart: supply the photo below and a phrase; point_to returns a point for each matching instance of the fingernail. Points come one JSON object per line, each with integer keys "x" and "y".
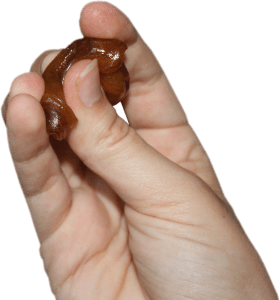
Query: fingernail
{"x": 89, "y": 88}
{"x": 49, "y": 58}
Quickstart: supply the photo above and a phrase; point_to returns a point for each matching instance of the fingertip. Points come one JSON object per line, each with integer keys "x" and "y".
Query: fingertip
{"x": 104, "y": 20}
{"x": 25, "y": 119}
{"x": 28, "y": 83}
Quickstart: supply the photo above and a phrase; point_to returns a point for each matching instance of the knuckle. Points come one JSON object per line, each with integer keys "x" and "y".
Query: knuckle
{"x": 101, "y": 137}
{"x": 115, "y": 134}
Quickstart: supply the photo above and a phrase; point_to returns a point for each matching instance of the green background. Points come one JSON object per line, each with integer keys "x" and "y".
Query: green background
{"x": 222, "y": 58}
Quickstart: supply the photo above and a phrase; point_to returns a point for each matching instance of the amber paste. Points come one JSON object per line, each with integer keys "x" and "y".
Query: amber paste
{"x": 113, "y": 76}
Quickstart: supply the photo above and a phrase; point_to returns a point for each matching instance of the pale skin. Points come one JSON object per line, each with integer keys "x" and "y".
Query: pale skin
{"x": 127, "y": 211}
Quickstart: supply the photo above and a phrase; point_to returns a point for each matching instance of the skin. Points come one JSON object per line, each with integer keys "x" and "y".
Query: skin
{"x": 127, "y": 211}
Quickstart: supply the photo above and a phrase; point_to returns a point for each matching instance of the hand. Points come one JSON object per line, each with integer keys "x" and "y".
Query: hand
{"x": 128, "y": 212}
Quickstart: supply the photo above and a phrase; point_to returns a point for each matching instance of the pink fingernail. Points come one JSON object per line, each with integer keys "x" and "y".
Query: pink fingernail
{"x": 89, "y": 84}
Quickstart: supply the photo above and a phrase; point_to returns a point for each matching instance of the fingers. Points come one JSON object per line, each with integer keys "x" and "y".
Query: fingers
{"x": 151, "y": 102}
{"x": 103, "y": 141}
{"x": 45, "y": 187}
{"x": 23, "y": 84}
{"x": 143, "y": 178}
{"x": 151, "y": 106}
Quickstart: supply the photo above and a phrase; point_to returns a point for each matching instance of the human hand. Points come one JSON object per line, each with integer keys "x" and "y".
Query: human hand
{"x": 183, "y": 236}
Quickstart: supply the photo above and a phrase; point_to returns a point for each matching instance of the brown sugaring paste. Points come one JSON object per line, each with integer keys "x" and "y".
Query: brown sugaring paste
{"x": 114, "y": 79}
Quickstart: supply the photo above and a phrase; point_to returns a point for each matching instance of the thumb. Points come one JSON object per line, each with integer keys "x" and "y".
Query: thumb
{"x": 146, "y": 180}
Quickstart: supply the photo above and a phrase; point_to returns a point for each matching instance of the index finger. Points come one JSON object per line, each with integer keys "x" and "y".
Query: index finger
{"x": 151, "y": 102}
